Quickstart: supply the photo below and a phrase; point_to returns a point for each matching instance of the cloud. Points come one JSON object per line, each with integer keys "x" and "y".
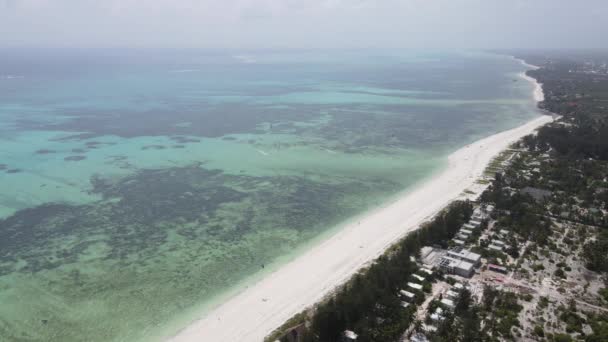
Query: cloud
{"x": 303, "y": 23}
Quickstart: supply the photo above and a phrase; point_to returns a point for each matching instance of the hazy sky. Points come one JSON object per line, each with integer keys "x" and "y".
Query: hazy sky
{"x": 305, "y": 23}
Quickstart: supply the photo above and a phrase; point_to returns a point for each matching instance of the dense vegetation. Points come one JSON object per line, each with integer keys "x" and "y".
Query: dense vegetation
{"x": 576, "y": 87}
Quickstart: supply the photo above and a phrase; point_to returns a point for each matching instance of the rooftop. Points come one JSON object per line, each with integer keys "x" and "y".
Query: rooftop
{"x": 407, "y": 294}
{"x": 451, "y": 294}
{"x": 448, "y": 302}
{"x": 426, "y": 270}
{"x": 419, "y": 278}
{"x": 465, "y": 254}
{"x": 469, "y": 226}
{"x": 495, "y": 248}
{"x": 415, "y": 286}
{"x": 350, "y": 334}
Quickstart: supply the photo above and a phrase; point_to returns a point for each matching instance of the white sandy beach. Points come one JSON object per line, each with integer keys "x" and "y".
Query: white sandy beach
{"x": 261, "y": 308}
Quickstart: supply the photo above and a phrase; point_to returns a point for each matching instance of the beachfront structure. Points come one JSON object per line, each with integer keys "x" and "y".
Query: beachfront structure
{"x": 466, "y": 231}
{"x": 458, "y": 242}
{"x": 468, "y": 226}
{"x": 462, "y": 236}
{"x": 426, "y": 271}
{"x": 448, "y": 303}
{"x": 451, "y": 294}
{"x": 415, "y": 286}
{"x": 417, "y": 277}
{"x": 498, "y": 243}
{"x": 466, "y": 255}
{"x": 407, "y": 295}
{"x": 430, "y": 256}
{"x": 349, "y": 336}
{"x": 495, "y": 248}
{"x": 458, "y": 267}
{"x": 475, "y": 223}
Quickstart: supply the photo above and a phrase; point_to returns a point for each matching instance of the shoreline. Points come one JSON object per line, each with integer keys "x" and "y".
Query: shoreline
{"x": 259, "y": 309}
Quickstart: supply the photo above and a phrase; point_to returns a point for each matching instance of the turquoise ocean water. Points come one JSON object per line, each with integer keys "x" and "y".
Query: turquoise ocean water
{"x": 140, "y": 185}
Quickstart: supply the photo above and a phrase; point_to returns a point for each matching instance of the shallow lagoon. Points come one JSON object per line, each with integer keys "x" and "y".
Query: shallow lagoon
{"x": 145, "y": 184}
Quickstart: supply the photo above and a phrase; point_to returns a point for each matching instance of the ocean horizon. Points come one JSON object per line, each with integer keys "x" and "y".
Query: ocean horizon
{"x": 141, "y": 186}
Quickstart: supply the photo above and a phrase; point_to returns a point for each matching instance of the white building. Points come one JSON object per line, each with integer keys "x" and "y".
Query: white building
{"x": 349, "y": 336}
{"x": 451, "y": 294}
{"x": 448, "y": 303}
{"x": 415, "y": 286}
{"x": 408, "y": 295}
{"x": 437, "y": 315}
{"x": 466, "y": 255}
{"x": 498, "y": 243}
{"x": 458, "y": 267}
{"x": 417, "y": 277}
{"x": 458, "y": 242}
{"x": 475, "y": 223}
{"x": 427, "y": 271}
{"x": 466, "y": 231}
{"x": 462, "y": 236}
{"x": 495, "y": 248}
{"x": 468, "y": 226}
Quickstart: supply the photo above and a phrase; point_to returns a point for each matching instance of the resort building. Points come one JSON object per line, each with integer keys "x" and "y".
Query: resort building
{"x": 458, "y": 242}
{"x": 475, "y": 223}
{"x": 462, "y": 236}
{"x": 466, "y": 231}
{"x": 430, "y": 256}
{"x": 465, "y": 255}
{"x": 451, "y": 294}
{"x": 414, "y": 286}
{"x": 407, "y": 295}
{"x": 458, "y": 267}
{"x": 498, "y": 243}
{"x": 426, "y": 271}
{"x": 469, "y": 226}
{"x": 349, "y": 336}
{"x": 448, "y": 303}
{"x": 495, "y": 248}
{"x": 417, "y": 277}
